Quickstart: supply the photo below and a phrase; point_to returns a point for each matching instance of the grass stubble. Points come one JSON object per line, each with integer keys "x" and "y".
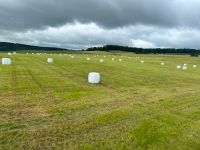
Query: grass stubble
{"x": 136, "y": 106}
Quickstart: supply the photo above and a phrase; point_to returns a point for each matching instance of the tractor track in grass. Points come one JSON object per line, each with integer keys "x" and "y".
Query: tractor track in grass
{"x": 63, "y": 71}
{"x": 14, "y": 82}
{"x": 44, "y": 89}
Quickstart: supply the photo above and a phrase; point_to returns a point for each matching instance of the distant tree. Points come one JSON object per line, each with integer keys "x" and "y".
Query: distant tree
{"x": 144, "y": 50}
{"x": 194, "y": 54}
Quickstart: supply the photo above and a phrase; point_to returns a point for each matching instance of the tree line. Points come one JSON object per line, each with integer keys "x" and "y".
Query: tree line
{"x": 192, "y": 52}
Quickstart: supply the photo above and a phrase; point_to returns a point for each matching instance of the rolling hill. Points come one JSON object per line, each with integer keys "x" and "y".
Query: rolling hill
{"x": 6, "y": 46}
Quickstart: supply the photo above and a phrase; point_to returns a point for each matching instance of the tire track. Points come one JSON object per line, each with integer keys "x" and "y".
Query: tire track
{"x": 14, "y": 82}
{"x": 43, "y": 88}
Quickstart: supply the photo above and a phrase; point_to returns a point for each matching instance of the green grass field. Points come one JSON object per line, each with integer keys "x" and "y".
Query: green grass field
{"x": 136, "y": 106}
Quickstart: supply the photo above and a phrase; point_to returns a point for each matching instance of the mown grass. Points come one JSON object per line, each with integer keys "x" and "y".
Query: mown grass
{"x": 136, "y": 106}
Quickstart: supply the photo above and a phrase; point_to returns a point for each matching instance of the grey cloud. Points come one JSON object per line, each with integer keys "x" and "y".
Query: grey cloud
{"x": 78, "y": 36}
{"x": 83, "y": 23}
{"x": 35, "y": 14}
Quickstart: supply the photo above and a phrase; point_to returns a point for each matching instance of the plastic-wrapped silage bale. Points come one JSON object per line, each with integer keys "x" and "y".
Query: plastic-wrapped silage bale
{"x": 50, "y": 60}
{"x": 6, "y": 61}
{"x": 94, "y": 77}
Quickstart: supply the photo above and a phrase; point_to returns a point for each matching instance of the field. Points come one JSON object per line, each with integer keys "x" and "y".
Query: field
{"x": 136, "y": 106}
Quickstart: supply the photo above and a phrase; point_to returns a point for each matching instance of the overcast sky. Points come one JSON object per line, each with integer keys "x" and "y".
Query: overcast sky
{"x": 81, "y": 24}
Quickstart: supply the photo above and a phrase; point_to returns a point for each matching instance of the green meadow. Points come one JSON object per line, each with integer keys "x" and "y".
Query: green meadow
{"x": 136, "y": 106}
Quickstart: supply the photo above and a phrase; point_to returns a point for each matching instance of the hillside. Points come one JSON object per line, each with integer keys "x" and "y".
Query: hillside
{"x": 6, "y": 46}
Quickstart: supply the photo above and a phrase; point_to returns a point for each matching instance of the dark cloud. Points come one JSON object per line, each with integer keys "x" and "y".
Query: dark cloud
{"x": 26, "y": 14}
{"x": 83, "y": 23}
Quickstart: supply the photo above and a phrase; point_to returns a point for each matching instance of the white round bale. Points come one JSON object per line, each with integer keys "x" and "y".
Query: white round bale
{"x": 184, "y": 67}
{"x": 50, "y": 60}
{"x": 194, "y": 66}
{"x": 178, "y": 67}
{"x": 101, "y": 60}
{"x": 6, "y": 61}
{"x": 94, "y": 77}
{"x": 141, "y": 61}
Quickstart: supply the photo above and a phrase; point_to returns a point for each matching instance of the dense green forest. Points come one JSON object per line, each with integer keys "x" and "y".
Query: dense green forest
{"x": 5, "y": 46}
{"x": 193, "y": 52}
